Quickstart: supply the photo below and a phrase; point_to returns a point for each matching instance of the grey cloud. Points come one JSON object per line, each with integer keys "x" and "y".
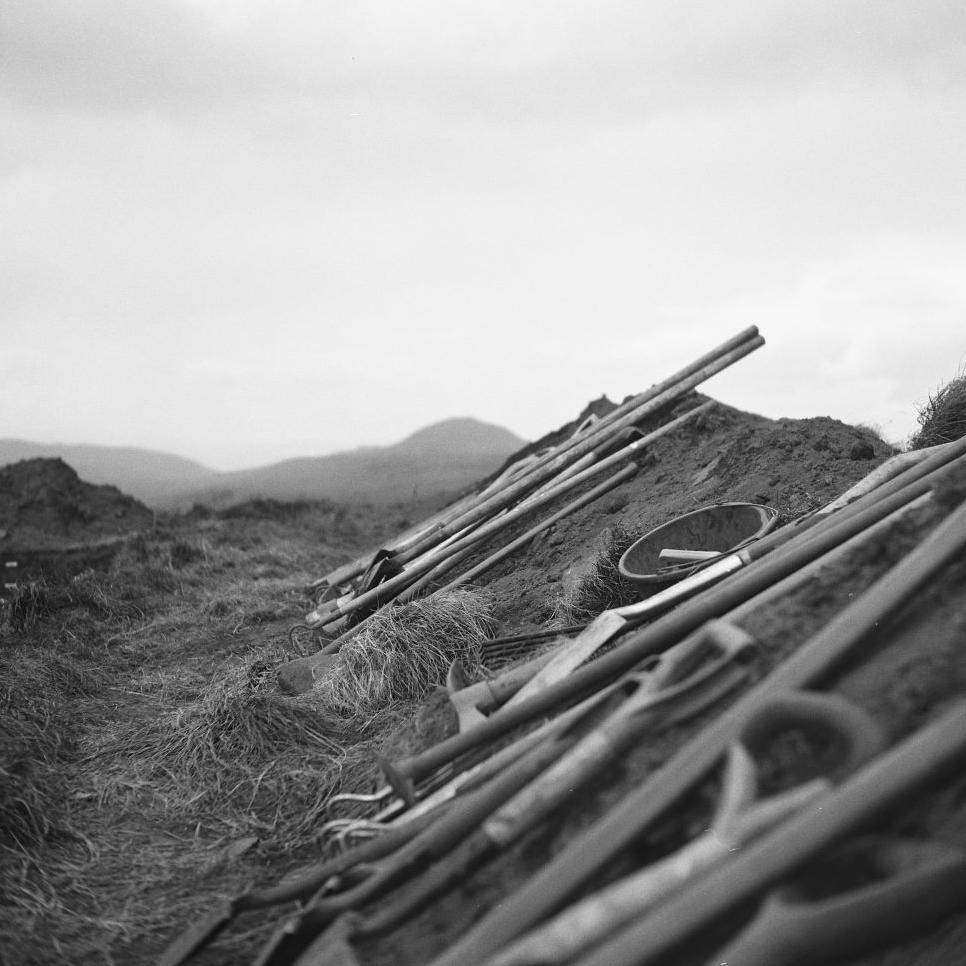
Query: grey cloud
{"x": 504, "y": 59}
{"x": 622, "y": 56}
{"x": 103, "y": 55}
{"x": 636, "y": 57}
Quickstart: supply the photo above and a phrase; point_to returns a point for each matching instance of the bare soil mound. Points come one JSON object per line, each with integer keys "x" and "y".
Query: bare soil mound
{"x": 44, "y": 504}
{"x": 908, "y": 670}
{"x": 792, "y": 465}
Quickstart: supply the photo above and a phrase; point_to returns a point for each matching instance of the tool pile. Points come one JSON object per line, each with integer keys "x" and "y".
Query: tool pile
{"x": 437, "y": 546}
{"x": 697, "y": 774}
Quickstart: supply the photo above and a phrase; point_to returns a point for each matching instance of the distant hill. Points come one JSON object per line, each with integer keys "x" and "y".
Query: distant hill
{"x": 441, "y": 458}
{"x": 150, "y": 476}
{"x": 464, "y": 436}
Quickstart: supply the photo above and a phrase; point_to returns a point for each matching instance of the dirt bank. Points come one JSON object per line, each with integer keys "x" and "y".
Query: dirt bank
{"x": 44, "y": 504}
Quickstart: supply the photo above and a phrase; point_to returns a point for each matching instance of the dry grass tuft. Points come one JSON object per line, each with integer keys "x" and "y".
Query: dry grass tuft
{"x": 603, "y": 587}
{"x": 258, "y": 761}
{"x": 248, "y": 760}
{"x": 114, "y": 894}
{"x": 38, "y": 741}
{"x": 28, "y": 604}
{"x": 125, "y": 790}
{"x": 31, "y": 789}
{"x": 943, "y": 418}
{"x": 404, "y": 652}
{"x": 37, "y": 691}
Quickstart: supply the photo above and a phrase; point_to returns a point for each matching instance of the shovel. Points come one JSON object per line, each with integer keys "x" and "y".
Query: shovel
{"x": 742, "y": 815}
{"x": 473, "y": 700}
{"x": 609, "y": 625}
{"x": 461, "y": 818}
{"x": 914, "y": 885}
{"x": 671, "y": 689}
{"x": 561, "y": 878}
{"x": 916, "y": 761}
{"x": 804, "y": 546}
{"x": 200, "y": 933}
{"x": 679, "y": 684}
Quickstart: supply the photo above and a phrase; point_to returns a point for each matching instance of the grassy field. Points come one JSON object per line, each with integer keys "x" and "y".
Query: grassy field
{"x": 147, "y": 764}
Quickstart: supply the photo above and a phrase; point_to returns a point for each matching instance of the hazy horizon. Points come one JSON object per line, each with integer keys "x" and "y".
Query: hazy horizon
{"x": 243, "y": 231}
{"x": 207, "y": 464}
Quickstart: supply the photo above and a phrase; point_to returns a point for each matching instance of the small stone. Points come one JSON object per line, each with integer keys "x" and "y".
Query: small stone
{"x": 862, "y": 451}
{"x": 239, "y": 847}
{"x": 296, "y": 677}
{"x": 299, "y": 676}
{"x": 705, "y": 473}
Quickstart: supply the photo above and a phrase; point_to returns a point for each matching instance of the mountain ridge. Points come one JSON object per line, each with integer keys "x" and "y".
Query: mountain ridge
{"x": 441, "y": 457}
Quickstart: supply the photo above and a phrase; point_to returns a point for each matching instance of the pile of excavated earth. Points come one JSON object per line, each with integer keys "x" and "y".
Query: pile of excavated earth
{"x": 791, "y": 465}
{"x": 44, "y": 504}
{"x": 758, "y": 763}
{"x": 52, "y": 522}
{"x": 756, "y": 758}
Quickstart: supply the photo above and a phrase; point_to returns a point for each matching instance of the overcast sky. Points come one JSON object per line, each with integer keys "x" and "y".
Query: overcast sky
{"x": 241, "y": 230}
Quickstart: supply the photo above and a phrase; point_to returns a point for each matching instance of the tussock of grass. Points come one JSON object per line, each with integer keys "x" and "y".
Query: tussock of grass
{"x": 34, "y": 893}
{"x": 943, "y": 418}
{"x": 28, "y": 604}
{"x": 258, "y": 760}
{"x": 603, "y": 587}
{"x": 403, "y": 653}
{"x": 231, "y": 726}
{"x": 121, "y": 594}
{"x": 117, "y": 812}
{"x": 102, "y": 596}
{"x": 37, "y": 743}
{"x": 31, "y": 790}
{"x": 36, "y": 693}
{"x": 103, "y": 894}
{"x": 186, "y": 552}
{"x": 123, "y": 806}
